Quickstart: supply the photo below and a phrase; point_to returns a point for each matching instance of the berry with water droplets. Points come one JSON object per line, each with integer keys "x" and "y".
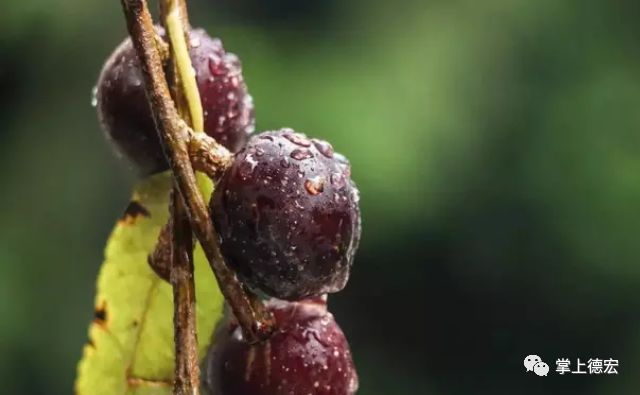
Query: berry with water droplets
{"x": 125, "y": 116}
{"x": 287, "y": 215}
{"x": 308, "y": 354}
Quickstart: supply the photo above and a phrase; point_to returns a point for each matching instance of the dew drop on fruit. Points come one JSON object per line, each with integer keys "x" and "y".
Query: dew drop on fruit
{"x": 94, "y": 96}
{"x": 356, "y": 195}
{"x": 247, "y": 166}
{"x": 301, "y": 154}
{"x": 325, "y": 148}
{"x": 215, "y": 65}
{"x": 234, "y": 63}
{"x": 297, "y": 139}
{"x": 338, "y": 180}
{"x": 314, "y": 185}
{"x": 284, "y": 162}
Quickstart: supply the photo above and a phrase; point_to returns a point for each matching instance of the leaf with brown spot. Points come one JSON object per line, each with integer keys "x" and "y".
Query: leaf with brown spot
{"x": 133, "y": 211}
{"x": 130, "y": 347}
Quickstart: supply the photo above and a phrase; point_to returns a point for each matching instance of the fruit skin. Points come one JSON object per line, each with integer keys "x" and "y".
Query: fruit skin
{"x": 287, "y": 215}
{"x": 125, "y": 116}
{"x": 308, "y": 354}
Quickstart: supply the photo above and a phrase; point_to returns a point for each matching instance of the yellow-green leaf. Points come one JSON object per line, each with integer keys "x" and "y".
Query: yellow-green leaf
{"x": 130, "y": 349}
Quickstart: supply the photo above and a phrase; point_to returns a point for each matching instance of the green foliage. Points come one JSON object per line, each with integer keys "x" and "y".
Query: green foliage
{"x": 130, "y": 349}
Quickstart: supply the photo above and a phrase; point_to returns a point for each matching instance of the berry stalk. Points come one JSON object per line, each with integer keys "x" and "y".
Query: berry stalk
{"x": 174, "y": 19}
{"x": 174, "y": 134}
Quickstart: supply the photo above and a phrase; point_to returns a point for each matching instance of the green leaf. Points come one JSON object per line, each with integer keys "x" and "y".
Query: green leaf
{"x": 130, "y": 349}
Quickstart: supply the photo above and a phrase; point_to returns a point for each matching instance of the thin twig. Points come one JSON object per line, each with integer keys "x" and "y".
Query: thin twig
{"x": 174, "y": 134}
{"x": 187, "y": 370}
{"x": 208, "y": 157}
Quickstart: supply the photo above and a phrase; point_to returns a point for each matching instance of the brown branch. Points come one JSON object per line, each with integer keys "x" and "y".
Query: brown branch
{"x": 174, "y": 134}
{"x": 208, "y": 157}
{"x": 187, "y": 370}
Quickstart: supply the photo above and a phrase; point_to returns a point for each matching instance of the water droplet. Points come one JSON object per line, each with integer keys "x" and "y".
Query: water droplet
{"x": 259, "y": 152}
{"x": 314, "y": 185}
{"x": 284, "y": 162}
{"x": 344, "y": 163}
{"x": 356, "y": 195}
{"x": 215, "y": 66}
{"x": 298, "y": 139}
{"x": 300, "y": 154}
{"x": 195, "y": 42}
{"x": 324, "y": 147}
{"x": 247, "y": 166}
{"x": 94, "y": 96}
{"x": 233, "y": 63}
{"x": 338, "y": 180}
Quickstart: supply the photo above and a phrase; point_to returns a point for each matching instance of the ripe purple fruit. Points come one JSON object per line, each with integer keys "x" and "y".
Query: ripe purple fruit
{"x": 126, "y": 118}
{"x": 308, "y": 354}
{"x": 287, "y": 215}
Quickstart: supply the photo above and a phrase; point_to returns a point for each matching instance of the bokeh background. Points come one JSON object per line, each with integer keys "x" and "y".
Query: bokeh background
{"x": 496, "y": 144}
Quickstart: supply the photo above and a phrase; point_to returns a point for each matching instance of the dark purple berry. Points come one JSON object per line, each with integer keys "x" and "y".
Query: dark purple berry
{"x": 287, "y": 215}
{"x": 126, "y": 118}
{"x": 307, "y": 355}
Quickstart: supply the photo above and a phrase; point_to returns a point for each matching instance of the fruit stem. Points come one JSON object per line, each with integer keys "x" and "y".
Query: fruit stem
{"x": 174, "y": 15}
{"x": 174, "y": 135}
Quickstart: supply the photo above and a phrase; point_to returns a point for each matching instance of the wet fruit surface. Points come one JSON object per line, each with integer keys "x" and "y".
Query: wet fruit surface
{"x": 126, "y": 118}
{"x": 307, "y": 355}
{"x": 287, "y": 215}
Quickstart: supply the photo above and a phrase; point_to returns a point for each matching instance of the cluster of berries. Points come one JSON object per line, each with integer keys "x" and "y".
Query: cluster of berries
{"x": 287, "y": 215}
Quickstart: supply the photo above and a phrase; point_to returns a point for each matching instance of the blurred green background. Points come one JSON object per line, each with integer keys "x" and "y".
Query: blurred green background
{"x": 496, "y": 144}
